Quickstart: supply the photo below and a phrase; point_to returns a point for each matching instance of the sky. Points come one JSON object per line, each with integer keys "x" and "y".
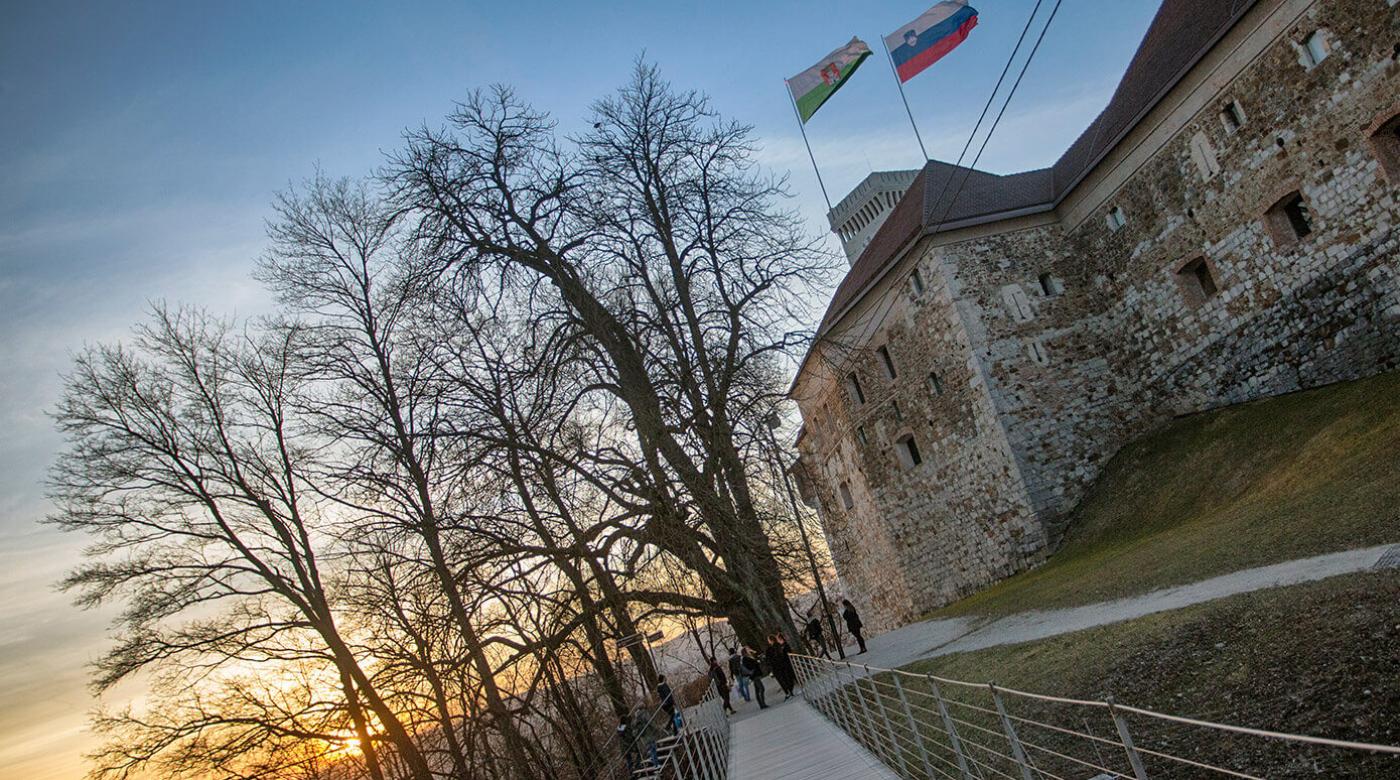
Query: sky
{"x": 141, "y": 143}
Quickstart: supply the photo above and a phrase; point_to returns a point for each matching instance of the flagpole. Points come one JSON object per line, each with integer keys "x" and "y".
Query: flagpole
{"x": 802, "y": 128}
{"x": 900, "y": 84}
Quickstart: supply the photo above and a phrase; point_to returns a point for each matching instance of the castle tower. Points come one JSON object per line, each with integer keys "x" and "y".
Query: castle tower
{"x": 856, "y": 218}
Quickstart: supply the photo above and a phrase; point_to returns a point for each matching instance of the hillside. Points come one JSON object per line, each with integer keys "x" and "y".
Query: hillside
{"x": 1259, "y": 483}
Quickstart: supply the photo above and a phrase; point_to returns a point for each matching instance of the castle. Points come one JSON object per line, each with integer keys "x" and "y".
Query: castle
{"x": 1224, "y": 230}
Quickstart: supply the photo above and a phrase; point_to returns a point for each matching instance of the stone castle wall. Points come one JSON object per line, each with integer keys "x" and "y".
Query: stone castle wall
{"x": 1056, "y": 340}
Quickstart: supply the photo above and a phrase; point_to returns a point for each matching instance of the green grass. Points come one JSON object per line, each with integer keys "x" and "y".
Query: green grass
{"x": 1303, "y": 474}
{"x": 1321, "y": 659}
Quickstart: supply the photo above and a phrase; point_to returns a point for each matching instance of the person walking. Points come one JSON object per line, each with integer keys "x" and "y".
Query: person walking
{"x": 643, "y": 733}
{"x": 627, "y": 744}
{"x": 853, "y": 624}
{"x": 736, "y": 670}
{"x": 774, "y": 655}
{"x": 753, "y": 669}
{"x": 721, "y": 685}
{"x": 668, "y": 703}
{"x": 789, "y": 668}
{"x": 817, "y": 637}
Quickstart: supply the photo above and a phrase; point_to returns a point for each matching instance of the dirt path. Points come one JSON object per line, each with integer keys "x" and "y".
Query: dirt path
{"x": 933, "y": 638}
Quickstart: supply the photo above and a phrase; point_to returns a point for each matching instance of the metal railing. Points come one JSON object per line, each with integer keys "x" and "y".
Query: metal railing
{"x": 699, "y": 750}
{"x": 702, "y": 749}
{"x": 928, "y": 727}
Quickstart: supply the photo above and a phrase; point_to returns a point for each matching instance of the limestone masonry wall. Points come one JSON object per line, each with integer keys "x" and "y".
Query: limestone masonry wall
{"x": 1027, "y": 352}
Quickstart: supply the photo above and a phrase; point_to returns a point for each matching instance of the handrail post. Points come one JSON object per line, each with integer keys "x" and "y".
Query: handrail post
{"x": 857, "y": 710}
{"x": 913, "y": 726}
{"x": 1135, "y": 760}
{"x": 703, "y": 745}
{"x": 889, "y": 727}
{"x": 842, "y": 705}
{"x": 950, "y": 727}
{"x": 691, "y": 762}
{"x": 1016, "y": 750}
{"x": 826, "y": 697}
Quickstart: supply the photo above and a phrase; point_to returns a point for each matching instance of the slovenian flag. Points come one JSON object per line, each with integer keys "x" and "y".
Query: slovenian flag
{"x": 925, "y": 40}
{"x": 813, "y": 86}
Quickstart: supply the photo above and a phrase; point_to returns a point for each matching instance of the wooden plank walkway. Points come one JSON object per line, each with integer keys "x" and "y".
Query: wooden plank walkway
{"x": 792, "y": 741}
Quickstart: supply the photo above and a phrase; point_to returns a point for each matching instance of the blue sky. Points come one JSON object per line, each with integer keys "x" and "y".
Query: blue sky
{"x": 140, "y": 144}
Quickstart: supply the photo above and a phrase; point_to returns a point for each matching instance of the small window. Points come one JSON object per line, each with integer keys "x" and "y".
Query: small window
{"x": 853, "y": 387}
{"x": 916, "y": 281}
{"x": 1038, "y": 353}
{"x": 887, "y": 362}
{"x": 1289, "y": 219}
{"x": 847, "y": 502}
{"x": 1232, "y": 116}
{"x": 935, "y": 385}
{"x": 1197, "y": 281}
{"x": 1116, "y": 219}
{"x": 1315, "y": 49}
{"x": 894, "y": 409}
{"x": 1385, "y": 145}
{"x": 860, "y": 435}
{"x": 1050, "y": 286}
{"x": 908, "y": 451}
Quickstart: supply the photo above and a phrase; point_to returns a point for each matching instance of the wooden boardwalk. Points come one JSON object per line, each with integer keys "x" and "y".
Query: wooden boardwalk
{"x": 792, "y": 741}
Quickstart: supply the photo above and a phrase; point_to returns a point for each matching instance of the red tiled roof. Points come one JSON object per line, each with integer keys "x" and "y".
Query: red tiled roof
{"x": 1181, "y": 32}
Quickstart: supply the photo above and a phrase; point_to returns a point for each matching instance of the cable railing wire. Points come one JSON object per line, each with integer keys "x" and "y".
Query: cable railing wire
{"x": 909, "y": 723}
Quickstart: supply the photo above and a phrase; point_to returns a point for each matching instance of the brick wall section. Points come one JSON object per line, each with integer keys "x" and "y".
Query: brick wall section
{"x": 1039, "y": 390}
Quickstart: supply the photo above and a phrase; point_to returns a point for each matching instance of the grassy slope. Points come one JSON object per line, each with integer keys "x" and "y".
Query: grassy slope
{"x": 1320, "y": 659}
{"x": 1307, "y": 473}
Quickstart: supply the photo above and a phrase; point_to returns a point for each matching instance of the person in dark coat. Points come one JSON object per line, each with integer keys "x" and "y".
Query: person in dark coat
{"x": 721, "y": 684}
{"x": 853, "y": 624}
{"x": 779, "y": 665}
{"x": 789, "y": 667}
{"x": 753, "y": 669}
{"x": 668, "y": 702}
{"x": 643, "y": 734}
{"x": 816, "y": 636}
{"x": 736, "y": 670}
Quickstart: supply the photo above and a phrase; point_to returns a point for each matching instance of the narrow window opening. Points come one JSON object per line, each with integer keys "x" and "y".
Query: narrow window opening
{"x": 1050, "y": 286}
{"x": 908, "y": 451}
{"x": 888, "y": 362}
{"x": 916, "y": 280}
{"x": 860, "y": 435}
{"x": 935, "y": 385}
{"x": 847, "y": 502}
{"x": 1116, "y": 219}
{"x": 898, "y": 415}
{"x": 853, "y": 387}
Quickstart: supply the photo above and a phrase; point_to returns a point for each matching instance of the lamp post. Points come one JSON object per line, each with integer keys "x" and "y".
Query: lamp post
{"x": 773, "y": 422}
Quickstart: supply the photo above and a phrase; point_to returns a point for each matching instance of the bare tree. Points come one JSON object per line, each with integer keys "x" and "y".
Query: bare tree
{"x": 338, "y": 261}
{"x": 660, "y": 245}
{"x": 181, "y": 464}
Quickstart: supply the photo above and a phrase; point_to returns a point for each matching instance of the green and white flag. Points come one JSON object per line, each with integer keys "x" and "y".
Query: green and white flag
{"x": 813, "y": 86}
